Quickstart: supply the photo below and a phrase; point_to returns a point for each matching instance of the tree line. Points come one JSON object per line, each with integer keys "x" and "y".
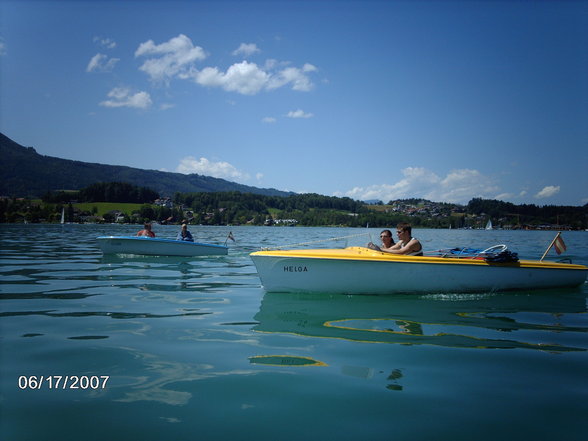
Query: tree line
{"x": 572, "y": 216}
{"x": 234, "y": 207}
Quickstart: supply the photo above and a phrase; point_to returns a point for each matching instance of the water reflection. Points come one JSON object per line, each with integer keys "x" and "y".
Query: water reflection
{"x": 505, "y": 321}
{"x": 285, "y": 360}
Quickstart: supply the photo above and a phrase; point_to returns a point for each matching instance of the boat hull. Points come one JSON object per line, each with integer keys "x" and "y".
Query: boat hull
{"x": 157, "y": 247}
{"x": 359, "y": 270}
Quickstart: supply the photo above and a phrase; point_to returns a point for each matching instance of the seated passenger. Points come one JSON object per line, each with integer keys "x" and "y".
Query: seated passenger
{"x": 146, "y": 231}
{"x": 185, "y": 235}
{"x": 407, "y": 245}
{"x": 387, "y": 241}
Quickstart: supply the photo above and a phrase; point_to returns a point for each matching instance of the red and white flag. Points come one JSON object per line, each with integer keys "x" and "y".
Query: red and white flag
{"x": 559, "y": 244}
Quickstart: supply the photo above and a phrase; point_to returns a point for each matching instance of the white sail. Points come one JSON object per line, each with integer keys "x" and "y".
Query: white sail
{"x": 489, "y": 225}
{"x": 63, "y": 215}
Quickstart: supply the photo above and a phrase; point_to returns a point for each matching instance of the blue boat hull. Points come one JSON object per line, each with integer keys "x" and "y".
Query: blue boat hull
{"x": 157, "y": 247}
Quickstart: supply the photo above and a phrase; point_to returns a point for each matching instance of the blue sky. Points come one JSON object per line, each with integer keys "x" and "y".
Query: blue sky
{"x": 367, "y": 99}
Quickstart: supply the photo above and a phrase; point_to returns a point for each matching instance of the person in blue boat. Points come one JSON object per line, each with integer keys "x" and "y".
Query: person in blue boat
{"x": 146, "y": 231}
{"x": 184, "y": 234}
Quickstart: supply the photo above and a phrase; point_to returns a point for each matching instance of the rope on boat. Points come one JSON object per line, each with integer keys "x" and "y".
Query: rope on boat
{"x": 315, "y": 242}
{"x": 495, "y": 254}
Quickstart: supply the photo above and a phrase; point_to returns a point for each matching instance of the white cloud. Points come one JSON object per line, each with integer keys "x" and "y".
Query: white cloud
{"x": 299, "y": 114}
{"x": 462, "y": 185}
{"x": 122, "y": 97}
{"x": 510, "y": 196}
{"x": 293, "y": 75}
{"x": 245, "y": 78}
{"x": 548, "y": 191}
{"x": 504, "y": 196}
{"x": 2, "y": 47}
{"x": 459, "y": 186}
{"x": 246, "y": 49}
{"x": 269, "y": 120}
{"x": 175, "y": 57}
{"x": 101, "y": 63}
{"x": 106, "y": 43}
{"x": 203, "y": 166}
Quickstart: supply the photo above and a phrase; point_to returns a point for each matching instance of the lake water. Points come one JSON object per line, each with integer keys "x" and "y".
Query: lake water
{"x": 164, "y": 348}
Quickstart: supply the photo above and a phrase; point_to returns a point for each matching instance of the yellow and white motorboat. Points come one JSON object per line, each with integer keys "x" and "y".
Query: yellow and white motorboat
{"x": 359, "y": 270}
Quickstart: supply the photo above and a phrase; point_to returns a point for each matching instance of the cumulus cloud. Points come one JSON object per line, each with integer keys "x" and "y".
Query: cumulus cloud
{"x": 299, "y": 114}
{"x": 178, "y": 57}
{"x": 106, "y": 43}
{"x": 246, "y": 49}
{"x": 175, "y": 57}
{"x": 101, "y": 63}
{"x": 462, "y": 185}
{"x": 458, "y": 186}
{"x": 298, "y": 77}
{"x": 204, "y": 166}
{"x": 547, "y": 192}
{"x": 507, "y": 196}
{"x": 245, "y": 78}
{"x": 123, "y": 97}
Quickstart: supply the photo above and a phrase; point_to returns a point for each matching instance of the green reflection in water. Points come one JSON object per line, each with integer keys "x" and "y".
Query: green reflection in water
{"x": 285, "y": 360}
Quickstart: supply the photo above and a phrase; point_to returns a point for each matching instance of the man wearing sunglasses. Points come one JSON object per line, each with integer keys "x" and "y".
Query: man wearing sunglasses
{"x": 407, "y": 245}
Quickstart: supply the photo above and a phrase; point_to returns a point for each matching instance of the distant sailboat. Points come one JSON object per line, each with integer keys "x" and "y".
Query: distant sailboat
{"x": 489, "y": 225}
{"x": 63, "y": 215}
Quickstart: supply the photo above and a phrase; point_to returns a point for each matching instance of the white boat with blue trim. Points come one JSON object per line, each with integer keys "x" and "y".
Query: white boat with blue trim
{"x": 158, "y": 247}
{"x": 359, "y": 270}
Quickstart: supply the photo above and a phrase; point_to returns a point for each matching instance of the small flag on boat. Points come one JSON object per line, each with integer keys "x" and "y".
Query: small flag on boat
{"x": 559, "y": 244}
{"x": 230, "y": 236}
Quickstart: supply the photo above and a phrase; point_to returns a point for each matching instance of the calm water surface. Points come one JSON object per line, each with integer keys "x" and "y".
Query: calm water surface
{"x": 194, "y": 349}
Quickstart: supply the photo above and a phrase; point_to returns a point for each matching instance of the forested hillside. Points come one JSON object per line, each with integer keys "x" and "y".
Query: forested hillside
{"x": 105, "y": 192}
{"x": 236, "y": 208}
{"x": 25, "y": 173}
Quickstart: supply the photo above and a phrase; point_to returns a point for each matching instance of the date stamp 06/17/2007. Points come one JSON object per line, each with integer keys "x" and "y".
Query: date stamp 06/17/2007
{"x": 63, "y": 382}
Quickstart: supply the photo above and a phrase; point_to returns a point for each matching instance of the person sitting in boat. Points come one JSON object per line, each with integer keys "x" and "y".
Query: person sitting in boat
{"x": 184, "y": 234}
{"x": 146, "y": 231}
{"x": 407, "y": 245}
{"x": 387, "y": 241}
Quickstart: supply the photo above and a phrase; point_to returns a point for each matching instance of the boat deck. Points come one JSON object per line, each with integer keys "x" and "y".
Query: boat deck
{"x": 366, "y": 254}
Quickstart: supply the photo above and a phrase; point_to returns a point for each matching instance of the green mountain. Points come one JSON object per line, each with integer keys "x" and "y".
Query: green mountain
{"x": 25, "y": 173}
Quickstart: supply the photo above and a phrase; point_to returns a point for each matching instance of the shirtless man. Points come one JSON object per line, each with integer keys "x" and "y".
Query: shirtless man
{"x": 146, "y": 231}
{"x": 406, "y": 244}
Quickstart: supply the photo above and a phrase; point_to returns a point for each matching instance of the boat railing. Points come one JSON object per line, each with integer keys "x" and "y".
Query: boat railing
{"x": 314, "y": 242}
